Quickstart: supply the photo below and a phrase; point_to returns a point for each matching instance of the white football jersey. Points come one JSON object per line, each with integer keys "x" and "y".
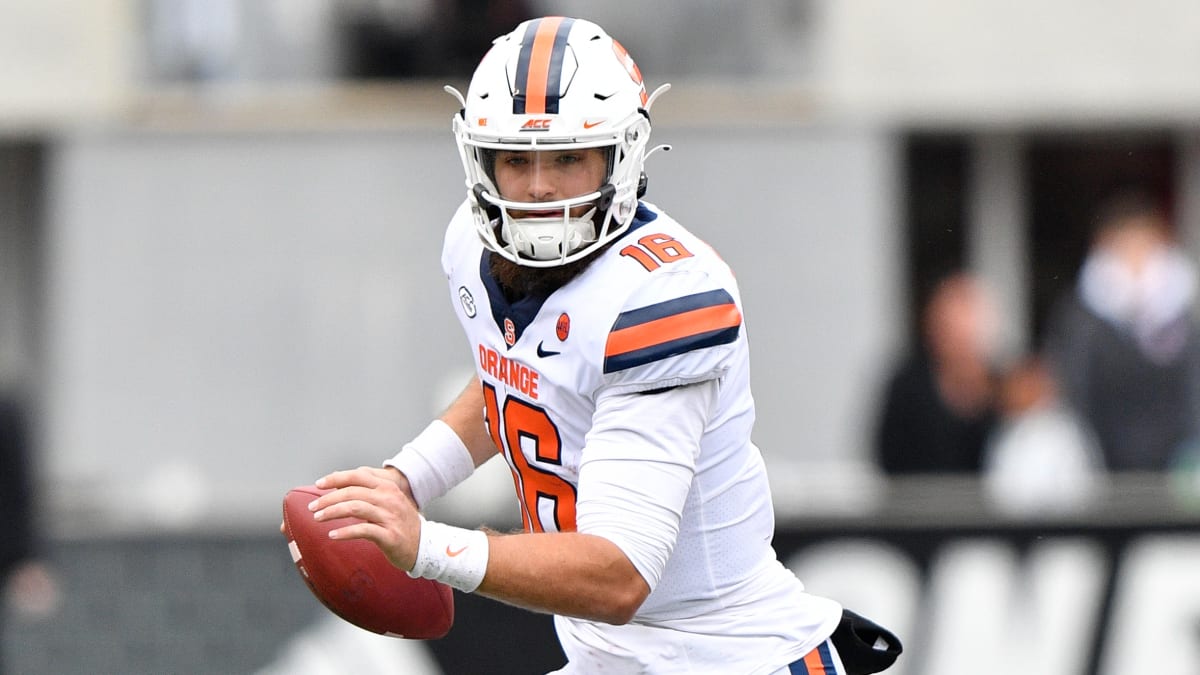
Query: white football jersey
{"x": 655, "y": 310}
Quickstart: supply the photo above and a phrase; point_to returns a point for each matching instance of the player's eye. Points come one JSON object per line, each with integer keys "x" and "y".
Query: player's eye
{"x": 510, "y": 157}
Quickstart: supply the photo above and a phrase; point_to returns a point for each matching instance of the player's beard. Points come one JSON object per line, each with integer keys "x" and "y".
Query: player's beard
{"x": 521, "y": 280}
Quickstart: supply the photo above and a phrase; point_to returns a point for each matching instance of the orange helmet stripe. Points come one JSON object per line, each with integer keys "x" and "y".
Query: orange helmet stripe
{"x": 539, "y": 66}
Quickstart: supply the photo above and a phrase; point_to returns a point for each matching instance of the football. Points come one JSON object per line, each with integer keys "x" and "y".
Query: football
{"x": 355, "y": 580}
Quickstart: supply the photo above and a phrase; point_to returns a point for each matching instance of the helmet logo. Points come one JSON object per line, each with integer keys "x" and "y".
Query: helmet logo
{"x": 510, "y": 332}
{"x": 537, "y": 124}
{"x": 588, "y": 124}
{"x": 482, "y": 121}
{"x": 563, "y": 328}
{"x": 635, "y": 73}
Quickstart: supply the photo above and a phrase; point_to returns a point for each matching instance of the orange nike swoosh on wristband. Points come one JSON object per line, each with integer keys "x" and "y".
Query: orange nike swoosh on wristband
{"x": 453, "y": 554}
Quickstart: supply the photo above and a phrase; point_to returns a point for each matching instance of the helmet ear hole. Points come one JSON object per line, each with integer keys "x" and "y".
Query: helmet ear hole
{"x": 641, "y": 189}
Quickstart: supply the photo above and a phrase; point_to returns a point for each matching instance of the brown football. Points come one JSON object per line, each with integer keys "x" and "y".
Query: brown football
{"x": 355, "y": 580}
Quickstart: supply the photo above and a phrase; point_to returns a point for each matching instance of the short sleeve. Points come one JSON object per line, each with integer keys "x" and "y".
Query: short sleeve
{"x": 678, "y": 328}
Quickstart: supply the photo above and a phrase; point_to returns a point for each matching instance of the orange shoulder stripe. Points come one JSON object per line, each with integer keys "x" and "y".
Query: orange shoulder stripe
{"x": 672, "y": 327}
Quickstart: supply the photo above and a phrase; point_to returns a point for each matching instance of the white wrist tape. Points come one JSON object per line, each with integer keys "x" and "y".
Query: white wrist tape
{"x": 435, "y": 461}
{"x": 452, "y": 555}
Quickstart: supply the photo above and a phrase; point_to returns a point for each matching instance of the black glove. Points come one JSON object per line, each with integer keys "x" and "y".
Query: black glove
{"x": 865, "y": 646}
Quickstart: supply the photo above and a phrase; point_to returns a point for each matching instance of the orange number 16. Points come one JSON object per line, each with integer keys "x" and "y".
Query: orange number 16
{"x": 547, "y": 501}
{"x": 654, "y": 250}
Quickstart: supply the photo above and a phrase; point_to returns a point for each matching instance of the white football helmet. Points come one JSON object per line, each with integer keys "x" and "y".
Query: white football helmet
{"x": 554, "y": 84}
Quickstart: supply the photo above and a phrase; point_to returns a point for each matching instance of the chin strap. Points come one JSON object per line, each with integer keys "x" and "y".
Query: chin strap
{"x": 477, "y": 193}
{"x": 605, "y": 200}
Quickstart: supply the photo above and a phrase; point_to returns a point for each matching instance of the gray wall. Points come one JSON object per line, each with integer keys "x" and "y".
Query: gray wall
{"x": 234, "y": 313}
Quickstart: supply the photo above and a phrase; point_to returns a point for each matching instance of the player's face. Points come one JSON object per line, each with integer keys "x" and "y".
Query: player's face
{"x": 550, "y": 175}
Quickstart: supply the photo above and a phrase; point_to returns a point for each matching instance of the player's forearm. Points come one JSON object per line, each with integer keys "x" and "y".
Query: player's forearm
{"x": 465, "y": 417}
{"x": 569, "y": 573}
{"x": 446, "y": 452}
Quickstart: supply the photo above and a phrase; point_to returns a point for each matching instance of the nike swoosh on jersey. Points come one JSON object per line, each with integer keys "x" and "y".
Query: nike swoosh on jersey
{"x": 543, "y": 352}
{"x": 677, "y": 326}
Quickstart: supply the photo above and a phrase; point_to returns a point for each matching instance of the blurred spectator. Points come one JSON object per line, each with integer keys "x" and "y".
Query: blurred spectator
{"x": 1041, "y": 457}
{"x": 939, "y": 406}
{"x": 30, "y": 588}
{"x": 1124, "y": 345}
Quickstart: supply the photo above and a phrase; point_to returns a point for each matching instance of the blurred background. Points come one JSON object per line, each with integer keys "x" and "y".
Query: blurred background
{"x": 965, "y": 235}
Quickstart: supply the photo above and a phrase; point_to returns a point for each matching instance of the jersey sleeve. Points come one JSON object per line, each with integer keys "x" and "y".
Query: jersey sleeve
{"x": 677, "y": 328}
{"x": 638, "y": 469}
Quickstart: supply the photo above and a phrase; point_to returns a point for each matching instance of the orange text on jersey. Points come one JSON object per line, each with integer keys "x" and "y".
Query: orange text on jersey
{"x": 513, "y": 373}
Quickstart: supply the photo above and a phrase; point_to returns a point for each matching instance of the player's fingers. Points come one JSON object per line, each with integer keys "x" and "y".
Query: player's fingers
{"x": 386, "y": 495}
{"x": 363, "y": 475}
{"x": 394, "y": 545}
{"x": 369, "y": 531}
{"x": 388, "y": 510}
{"x": 353, "y": 508}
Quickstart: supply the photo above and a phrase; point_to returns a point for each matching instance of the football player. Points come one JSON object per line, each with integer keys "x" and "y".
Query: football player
{"x": 612, "y": 378}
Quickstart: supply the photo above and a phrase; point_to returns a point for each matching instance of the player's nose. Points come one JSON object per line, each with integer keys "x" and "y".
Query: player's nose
{"x": 542, "y": 186}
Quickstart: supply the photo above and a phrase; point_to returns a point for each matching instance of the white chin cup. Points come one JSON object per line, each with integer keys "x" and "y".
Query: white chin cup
{"x": 546, "y": 239}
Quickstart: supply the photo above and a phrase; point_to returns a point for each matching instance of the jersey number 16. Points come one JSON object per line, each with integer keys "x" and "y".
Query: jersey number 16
{"x": 547, "y": 501}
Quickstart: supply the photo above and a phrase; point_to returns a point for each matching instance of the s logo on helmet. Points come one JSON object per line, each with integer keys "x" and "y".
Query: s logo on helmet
{"x": 635, "y": 73}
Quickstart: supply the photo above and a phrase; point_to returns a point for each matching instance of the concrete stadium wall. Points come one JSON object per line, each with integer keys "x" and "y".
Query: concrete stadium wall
{"x": 232, "y": 313}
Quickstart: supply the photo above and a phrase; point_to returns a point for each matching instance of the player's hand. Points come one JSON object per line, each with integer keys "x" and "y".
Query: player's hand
{"x": 391, "y": 472}
{"x": 373, "y": 495}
